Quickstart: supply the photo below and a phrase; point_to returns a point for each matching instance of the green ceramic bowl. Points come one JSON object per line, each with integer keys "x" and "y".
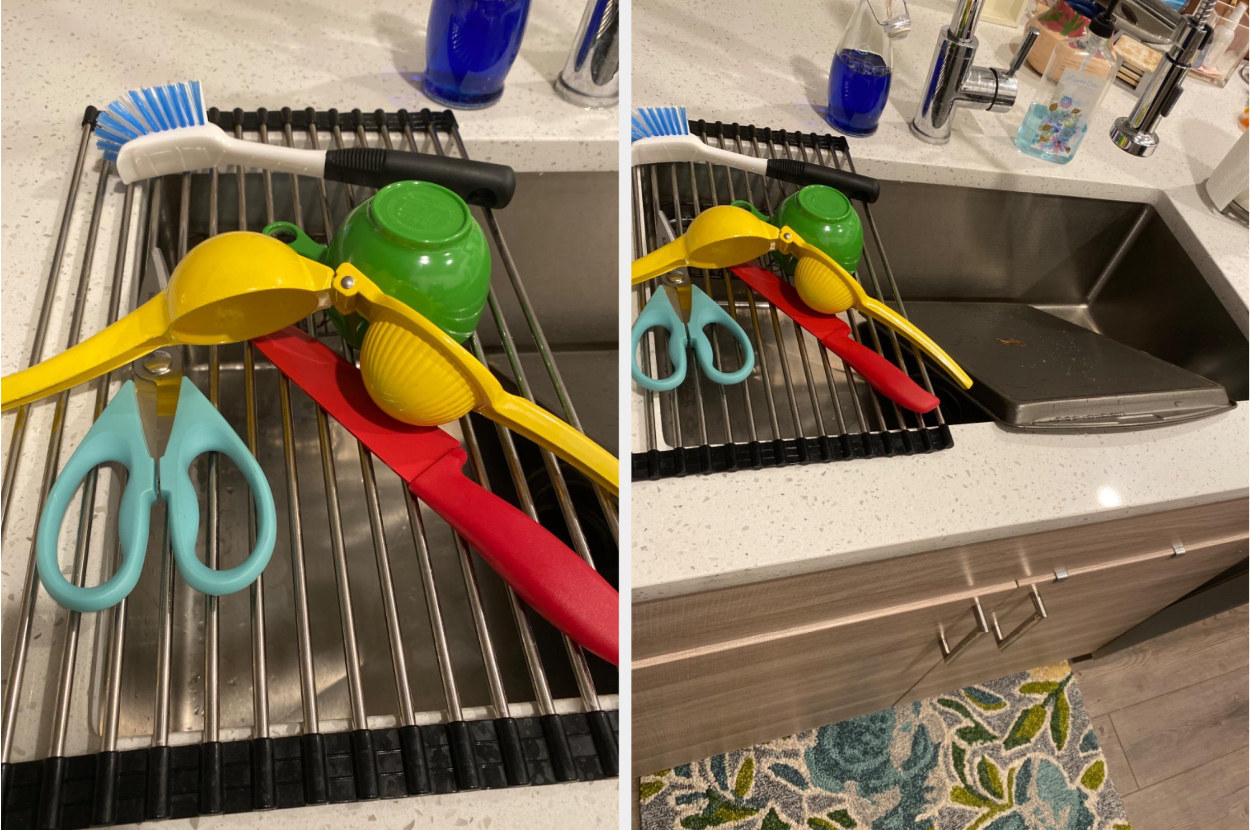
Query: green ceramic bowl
{"x": 822, "y": 216}
{"x": 420, "y": 244}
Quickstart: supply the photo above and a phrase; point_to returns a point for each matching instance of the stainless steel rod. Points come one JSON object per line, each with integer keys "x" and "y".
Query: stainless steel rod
{"x": 165, "y": 606}
{"x": 260, "y": 653}
{"x": 795, "y": 418}
{"x": 717, "y": 352}
{"x": 729, "y": 290}
{"x": 41, "y": 326}
{"x": 692, "y": 373}
{"x": 164, "y": 642}
{"x": 299, "y": 574}
{"x": 338, "y": 553}
{"x": 527, "y": 504}
{"x": 117, "y": 621}
{"x": 581, "y": 671}
{"x": 26, "y": 614}
{"x": 529, "y": 647}
{"x": 69, "y": 650}
{"x": 661, "y": 348}
{"x": 439, "y": 631}
{"x": 640, "y": 249}
{"x": 381, "y": 554}
{"x": 486, "y": 646}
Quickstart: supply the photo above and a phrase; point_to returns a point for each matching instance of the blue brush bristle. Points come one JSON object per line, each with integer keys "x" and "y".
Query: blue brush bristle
{"x": 149, "y": 110}
{"x": 648, "y": 122}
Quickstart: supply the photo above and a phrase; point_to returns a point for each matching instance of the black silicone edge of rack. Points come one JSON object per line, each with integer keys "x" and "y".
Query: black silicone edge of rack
{"x": 231, "y": 777}
{"x": 782, "y": 452}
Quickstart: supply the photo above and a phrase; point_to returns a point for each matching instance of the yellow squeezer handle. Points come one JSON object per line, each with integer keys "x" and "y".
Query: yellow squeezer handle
{"x": 492, "y": 400}
{"x": 666, "y": 258}
{"x": 142, "y": 331}
{"x": 875, "y": 309}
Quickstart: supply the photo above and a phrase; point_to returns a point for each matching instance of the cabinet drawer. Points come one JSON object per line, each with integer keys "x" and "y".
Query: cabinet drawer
{"x": 689, "y": 705}
{"x": 1092, "y": 606}
{"x": 697, "y": 620}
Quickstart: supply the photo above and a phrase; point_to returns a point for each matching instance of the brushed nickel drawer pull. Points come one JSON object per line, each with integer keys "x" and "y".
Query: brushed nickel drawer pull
{"x": 980, "y": 628}
{"x": 1039, "y": 614}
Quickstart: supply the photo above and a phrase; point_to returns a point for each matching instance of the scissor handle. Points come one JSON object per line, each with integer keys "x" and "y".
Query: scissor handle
{"x": 115, "y": 437}
{"x": 704, "y": 312}
{"x": 659, "y": 314}
{"x": 199, "y": 428}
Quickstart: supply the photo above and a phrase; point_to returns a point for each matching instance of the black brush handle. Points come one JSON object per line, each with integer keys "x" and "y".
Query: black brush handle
{"x": 477, "y": 182}
{"x": 864, "y": 188}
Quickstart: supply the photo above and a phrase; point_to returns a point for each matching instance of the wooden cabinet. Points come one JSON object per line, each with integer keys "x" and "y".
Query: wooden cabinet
{"x": 729, "y": 668}
{"x": 688, "y": 705}
{"x": 1088, "y": 608}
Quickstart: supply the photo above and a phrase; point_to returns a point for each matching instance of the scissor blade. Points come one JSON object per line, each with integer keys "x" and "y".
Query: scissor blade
{"x": 158, "y": 382}
{"x": 158, "y": 376}
{"x": 678, "y": 280}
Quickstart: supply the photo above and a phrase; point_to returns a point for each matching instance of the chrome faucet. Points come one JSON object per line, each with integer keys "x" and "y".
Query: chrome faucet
{"x": 589, "y": 77}
{"x": 954, "y": 82}
{"x": 1134, "y": 134}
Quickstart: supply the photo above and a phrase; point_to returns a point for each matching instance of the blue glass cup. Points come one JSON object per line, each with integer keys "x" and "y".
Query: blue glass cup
{"x": 470, "y": 46}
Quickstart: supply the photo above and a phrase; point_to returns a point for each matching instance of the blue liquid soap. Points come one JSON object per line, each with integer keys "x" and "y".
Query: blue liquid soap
{"x": 470, "y": 46}
{"x": 859, "y": 84}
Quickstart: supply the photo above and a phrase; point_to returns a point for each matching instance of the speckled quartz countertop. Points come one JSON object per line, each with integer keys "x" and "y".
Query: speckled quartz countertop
{"x": 771, "y": 69}
{"x": 60, "y": 56}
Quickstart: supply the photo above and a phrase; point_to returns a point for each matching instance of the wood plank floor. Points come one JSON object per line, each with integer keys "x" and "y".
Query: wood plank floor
{"x": 1171, "y": 716}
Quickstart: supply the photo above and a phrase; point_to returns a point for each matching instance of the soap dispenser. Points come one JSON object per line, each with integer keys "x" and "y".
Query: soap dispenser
{"x": 1078, "y": 74}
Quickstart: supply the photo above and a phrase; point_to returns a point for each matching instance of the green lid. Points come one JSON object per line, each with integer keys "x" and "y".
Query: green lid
{"x": 420, "y": 214}
{"x": 824, "y": 202}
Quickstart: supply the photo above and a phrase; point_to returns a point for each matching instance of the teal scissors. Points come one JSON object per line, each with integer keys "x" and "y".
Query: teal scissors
{"x": 684, "y": 311}
{"x": 157, "y": 424}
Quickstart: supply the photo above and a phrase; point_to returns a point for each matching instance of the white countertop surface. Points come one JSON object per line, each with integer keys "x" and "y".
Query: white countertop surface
{"x": 701, "y": 532}
{"x": 60, "y": 56}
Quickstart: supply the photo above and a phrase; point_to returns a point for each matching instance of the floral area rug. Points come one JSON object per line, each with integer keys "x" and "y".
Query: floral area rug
{"x": 1014, "y": 754}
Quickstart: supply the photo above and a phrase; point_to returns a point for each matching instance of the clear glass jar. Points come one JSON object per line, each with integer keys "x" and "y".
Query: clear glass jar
{"x": 860, "y": 75}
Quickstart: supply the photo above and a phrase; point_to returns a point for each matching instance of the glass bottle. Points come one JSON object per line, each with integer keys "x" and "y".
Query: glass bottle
{"x": 470, "y": 45}
{"x": 1078, "y": 74}
{"x": 859, "y": 78}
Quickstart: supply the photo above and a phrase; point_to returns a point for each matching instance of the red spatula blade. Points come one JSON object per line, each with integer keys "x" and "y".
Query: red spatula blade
{"x": 833, "y": 332}
{"x": 543, "y": 571}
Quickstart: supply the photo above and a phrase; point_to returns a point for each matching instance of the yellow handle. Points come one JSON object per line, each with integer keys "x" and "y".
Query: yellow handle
{"x": 792, "y": 242}
{"x": 492, "y": 400}
{"x": 886, "y": 316}
{"x": 549, "y": 432}
{"x": 138, "y": 333}
{"x": 660, "y": 261}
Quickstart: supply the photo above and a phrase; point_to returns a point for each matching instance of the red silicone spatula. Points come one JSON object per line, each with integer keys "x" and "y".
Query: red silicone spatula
{"x": 834, "y": 333}
{"x": 543, "y": 571}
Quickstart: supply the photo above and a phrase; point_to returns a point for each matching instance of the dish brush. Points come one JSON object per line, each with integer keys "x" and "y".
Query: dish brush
{"x": 157, "y": 131}
{"x": 660, "y": 134}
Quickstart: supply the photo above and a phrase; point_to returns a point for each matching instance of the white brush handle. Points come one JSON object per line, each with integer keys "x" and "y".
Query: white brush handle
{"x": 688, "y": 148}
{"x": 208, "y": 146}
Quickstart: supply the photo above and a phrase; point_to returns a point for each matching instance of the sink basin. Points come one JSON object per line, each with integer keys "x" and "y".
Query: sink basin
{"x": 1110, "y": 267}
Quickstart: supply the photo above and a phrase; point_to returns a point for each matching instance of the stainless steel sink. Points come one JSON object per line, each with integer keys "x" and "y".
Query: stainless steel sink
{"x": 1111, "y": 267}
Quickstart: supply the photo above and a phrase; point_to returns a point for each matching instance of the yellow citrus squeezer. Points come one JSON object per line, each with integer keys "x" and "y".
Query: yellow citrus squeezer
{"x": 725, "y": 236}
{"x": 241, "y": 285}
